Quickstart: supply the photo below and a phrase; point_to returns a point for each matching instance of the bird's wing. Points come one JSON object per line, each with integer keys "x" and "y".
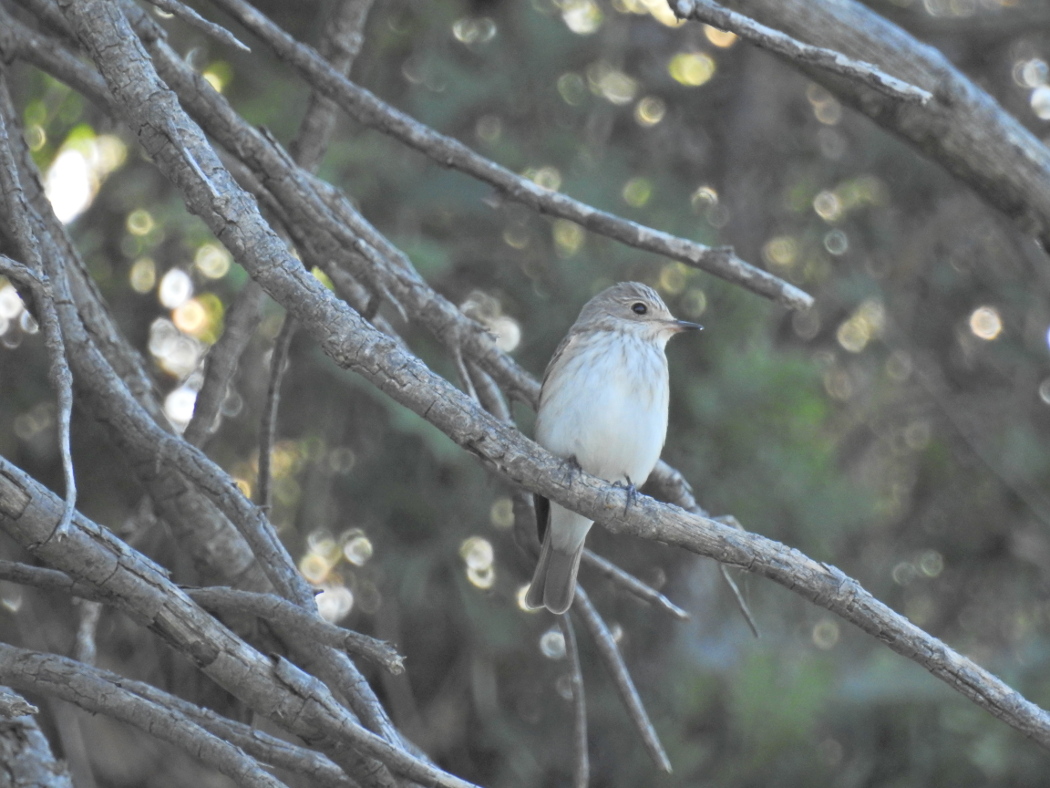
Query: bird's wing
{"x": 543, "y": 515}
{"x": 560, "y": 354}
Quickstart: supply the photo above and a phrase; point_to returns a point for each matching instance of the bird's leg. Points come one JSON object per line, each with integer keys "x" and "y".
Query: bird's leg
{"x": 574, "y": 468}
{"x": 632, "y": 492}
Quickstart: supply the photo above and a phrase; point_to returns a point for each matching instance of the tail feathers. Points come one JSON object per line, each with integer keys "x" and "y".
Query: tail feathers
{"x": 554, "y": 581}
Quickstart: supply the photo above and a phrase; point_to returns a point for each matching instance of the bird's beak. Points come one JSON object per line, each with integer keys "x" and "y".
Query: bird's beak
{"x": 678, "y": 326}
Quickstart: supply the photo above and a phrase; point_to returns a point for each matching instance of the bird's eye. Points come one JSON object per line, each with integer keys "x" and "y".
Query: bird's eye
{"x": 639, "y": 308}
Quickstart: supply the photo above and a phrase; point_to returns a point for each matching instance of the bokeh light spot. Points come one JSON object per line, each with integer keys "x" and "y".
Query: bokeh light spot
{"x": 836, "y": 242}
{"x": 334, "y": 603}
{"x": 178, "y": 406}
{"x": 10, "y": 302}
{"x": 828, "y": 206}
{"x": 568, "y": 237}
{"x": 489, "y": 128}
{"x": 610, "y": 83}
{"x": 582, "y": 17}
{"x": 190, "y": 317}
{"x": 474, "y": 30}
{"x": 637, "y": 191}
{"x": 691, "y": 69}
{"x": 985, "y": 323}
{"x": 722, "y": 39}
{"x": 572, "y": 88}
{"x": 552, "y": 644}
{"x": 1040, "y": 101}
{"x": 212, "y": 260}
{"x": 176, "y": 288}
{"x": 825, "y": 634}
{"x": 650, "y": 111}
{"x": 780, "y": 250}
{"x": 143, "y": 275}
{"x": 501, "y": 515}
{"x": 357, "y": 549}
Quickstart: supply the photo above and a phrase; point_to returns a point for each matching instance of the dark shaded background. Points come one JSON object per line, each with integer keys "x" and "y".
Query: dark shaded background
{"x": 893, "y": 430}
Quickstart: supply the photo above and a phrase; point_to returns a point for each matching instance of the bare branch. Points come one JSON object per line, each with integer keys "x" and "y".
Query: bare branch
{"x": 581, "y": 763}
{"x": 793, "y": 49}
{"x": 76, "y": 683}
{"x": 610, "y": 654}
{"x": 292, "y": 620}
{"x": 242, "y": 319}
{"x": 370, "y": 111}
{"x": 61, "y": 377}
{"x": 963, "y": 129}
{"x": 268, "y": 422}
{"x": 195, "y": 20}
{"x": 84, "y": 649}
{"x": 632, "y": 584}
{"x": 279, "y": 691}
{"x": 340, "y": 45}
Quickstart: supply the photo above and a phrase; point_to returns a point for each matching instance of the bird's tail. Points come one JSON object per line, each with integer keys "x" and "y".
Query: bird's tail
{"x": 554, "y": 581}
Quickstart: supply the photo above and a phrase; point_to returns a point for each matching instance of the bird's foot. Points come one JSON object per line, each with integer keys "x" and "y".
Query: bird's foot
{"x": 632, "y": 492}
{"x": 574, "y": 468}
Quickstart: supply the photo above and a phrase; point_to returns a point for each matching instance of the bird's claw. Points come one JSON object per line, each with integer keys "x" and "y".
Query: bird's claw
{"x": 574, "y": 468}
{"x": 632, "y": 492}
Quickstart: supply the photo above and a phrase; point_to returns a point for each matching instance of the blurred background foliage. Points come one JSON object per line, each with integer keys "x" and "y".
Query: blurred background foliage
{"x": 896, "y": 430}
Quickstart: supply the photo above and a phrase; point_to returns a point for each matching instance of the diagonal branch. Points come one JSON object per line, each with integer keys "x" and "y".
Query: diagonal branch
{"x": 195, "y": 20}
{"x": 294, "y": 623}
{"x": 806, "y": 54}
{"x": 78, "y": 683}
{"x": 369, "y": 110}
{"x": 610, "y": 654}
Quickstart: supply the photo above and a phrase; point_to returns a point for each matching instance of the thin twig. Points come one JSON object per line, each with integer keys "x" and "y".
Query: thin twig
{"x": 293, "y": 622}
{"x": 84, "y": 648}
{"x": 632, "y": 584}
{"x": 59, "y": 372}
{"x": 464, "y": 374}
{"x": 793, "y": 49}
{"x": 25, "y": 226}
{"x": 340, "y": 45}
{"x": 242, "y": 319}
{"x": 193, "y": 19}
{"x": 610, "y": 655}
{"x": 369, "y": 110}
{"x": 268, "y": 422}
{"x": 668, "y": 484}
{"x": 581, "y": 763}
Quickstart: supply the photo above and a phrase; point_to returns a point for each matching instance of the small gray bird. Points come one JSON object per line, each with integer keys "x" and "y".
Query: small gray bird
{"x": 603, "y": 405}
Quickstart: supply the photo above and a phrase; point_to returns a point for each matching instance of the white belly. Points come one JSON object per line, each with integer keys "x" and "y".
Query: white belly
{"x": 609, "y": 411}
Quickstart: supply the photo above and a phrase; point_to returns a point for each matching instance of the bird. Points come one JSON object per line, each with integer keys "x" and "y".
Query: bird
{"x": 603, "y": 407}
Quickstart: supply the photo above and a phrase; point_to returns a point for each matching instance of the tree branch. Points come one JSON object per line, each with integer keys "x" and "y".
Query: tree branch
{"x": 294, "y": 623}
{"x": 369, "y": 110}
{"x": 77, "y": 683}
{"x": 621, "y": 677}
{"x": 963, "y": 129}
{"x": 788, "y": 47}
